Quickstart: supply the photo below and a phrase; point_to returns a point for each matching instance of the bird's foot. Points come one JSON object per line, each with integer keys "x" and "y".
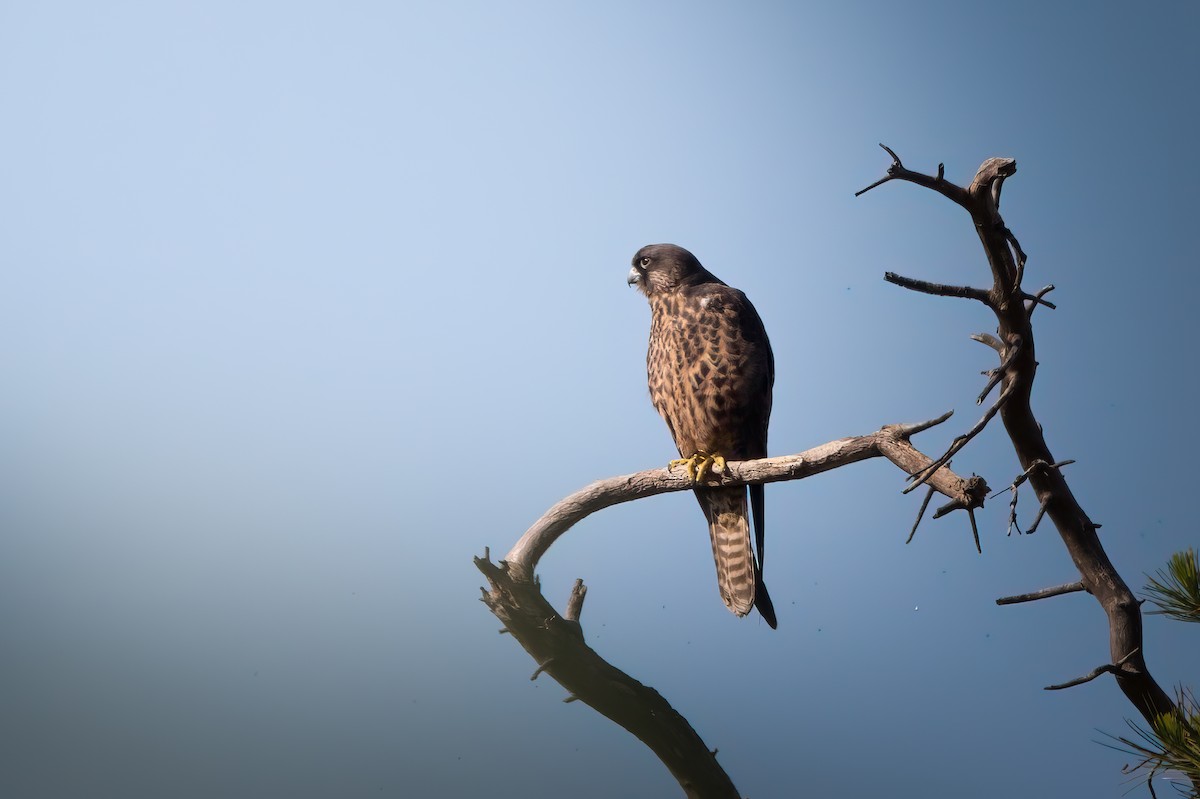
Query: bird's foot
{"x": 700, "y": 465}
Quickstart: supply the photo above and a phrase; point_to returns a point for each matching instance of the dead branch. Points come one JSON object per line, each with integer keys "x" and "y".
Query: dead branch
{"x": 920, "y": 478}
{"x": 557, "y": 646}
{"x": 1036, "y": 299}
{"x": 556, "y": 642}
{"x": 575, "y": 602}
{"x": 990, "y": 340}
{"x": 1107, "y": 668}
{"x": 1037, "y": 518}
{"x": 936, "y": 289}
{"x": 1057, "y": 590}
{"x": 1013, "y": 308}
{"x": 996, "y": 375}
{"x": 1015, "y": 487}
{"x": 958, "y": 504}
{"x": 897, "y": 171}
{"x": 920, "y": 515}
{"x": 890, "y": 441}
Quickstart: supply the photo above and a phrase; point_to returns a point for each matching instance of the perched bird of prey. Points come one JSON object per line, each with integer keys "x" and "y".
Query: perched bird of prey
{"x": 711, "y": 370}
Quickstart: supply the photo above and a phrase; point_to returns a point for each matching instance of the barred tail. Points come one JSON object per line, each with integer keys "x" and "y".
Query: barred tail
{"x": 729, "y": 528}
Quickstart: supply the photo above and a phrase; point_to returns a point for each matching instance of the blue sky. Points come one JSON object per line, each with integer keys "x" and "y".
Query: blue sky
{"x": 308, "y": 303}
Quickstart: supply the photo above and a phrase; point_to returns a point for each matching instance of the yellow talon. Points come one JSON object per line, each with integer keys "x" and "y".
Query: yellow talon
{"x": 687, "y": 462}
{"x": 700, "y": 465}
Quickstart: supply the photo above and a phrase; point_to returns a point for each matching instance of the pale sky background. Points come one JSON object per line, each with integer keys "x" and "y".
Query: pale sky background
{"x": 305, "y": 304}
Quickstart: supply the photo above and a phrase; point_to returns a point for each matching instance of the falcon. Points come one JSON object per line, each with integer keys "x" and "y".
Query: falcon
{"x": 710, "y": 371}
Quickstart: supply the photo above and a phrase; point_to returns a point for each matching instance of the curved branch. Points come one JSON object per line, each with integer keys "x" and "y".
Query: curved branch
{"x": 890, "y": 441}
{"x": 557, "y": 646}
{"x": 556, "y": 641}
{"x": 1107, "y": 668}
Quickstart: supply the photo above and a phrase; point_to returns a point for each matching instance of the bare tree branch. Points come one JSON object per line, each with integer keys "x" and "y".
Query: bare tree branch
{"x": 1014, "y": 331}
{"x": 575, "y": 602}
{"x": 937, "y": 289}
{"x": 1036, "y": 299}
{"x": 990, "y": 340}
{"x": 1107, "y": 668}
{"x": 1057, "y": 590}
{"x": 960, "y": 441}
{"x": 890, "y": 441}
{"x": 1037, "y": 519}
{"x": 897, "y": 171}
{"x": 958, "y": 504}
{"x": 557, "y": 646}
{"x": 556, "y": 642}
{"x": 920, "y": 515}
{"x": 1015, "y": 486}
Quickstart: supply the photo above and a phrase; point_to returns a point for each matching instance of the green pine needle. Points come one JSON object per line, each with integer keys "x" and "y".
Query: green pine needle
{"x": 1176, "y": 590}
{"x": 1170, "y": 746}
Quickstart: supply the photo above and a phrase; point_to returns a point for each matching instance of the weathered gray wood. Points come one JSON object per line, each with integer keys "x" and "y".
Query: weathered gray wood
{"x": 890, "y": 441}
{"x": 556, "y": 642}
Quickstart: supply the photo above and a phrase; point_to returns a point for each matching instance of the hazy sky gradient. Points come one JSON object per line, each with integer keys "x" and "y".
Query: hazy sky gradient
{"x": 307, "y": 303}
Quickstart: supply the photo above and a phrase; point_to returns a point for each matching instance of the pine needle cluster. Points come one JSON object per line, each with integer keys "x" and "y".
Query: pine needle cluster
{"x": 1170, "y": 747}
{"x": 1176, "y": 589}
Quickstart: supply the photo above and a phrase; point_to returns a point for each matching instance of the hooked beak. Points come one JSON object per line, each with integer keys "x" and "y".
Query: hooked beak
{"x": 635, "y": 276}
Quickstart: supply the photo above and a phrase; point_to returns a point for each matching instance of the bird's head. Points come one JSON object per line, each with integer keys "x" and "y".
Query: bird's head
{"x": 661, "y": 268}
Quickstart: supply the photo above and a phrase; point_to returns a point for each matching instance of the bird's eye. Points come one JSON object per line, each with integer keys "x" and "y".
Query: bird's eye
{"x": 645, "y": 261}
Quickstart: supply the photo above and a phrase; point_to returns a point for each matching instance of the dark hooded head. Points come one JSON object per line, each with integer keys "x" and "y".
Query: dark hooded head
{"x": 663, "y": 268}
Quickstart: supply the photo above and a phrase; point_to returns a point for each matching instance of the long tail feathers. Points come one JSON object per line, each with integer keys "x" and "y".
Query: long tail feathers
{"x": 762, "y": 600}
{"x": 758, "y": 503}
{"x": 729, "y": 528}
{"x": 739, "y": 573}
